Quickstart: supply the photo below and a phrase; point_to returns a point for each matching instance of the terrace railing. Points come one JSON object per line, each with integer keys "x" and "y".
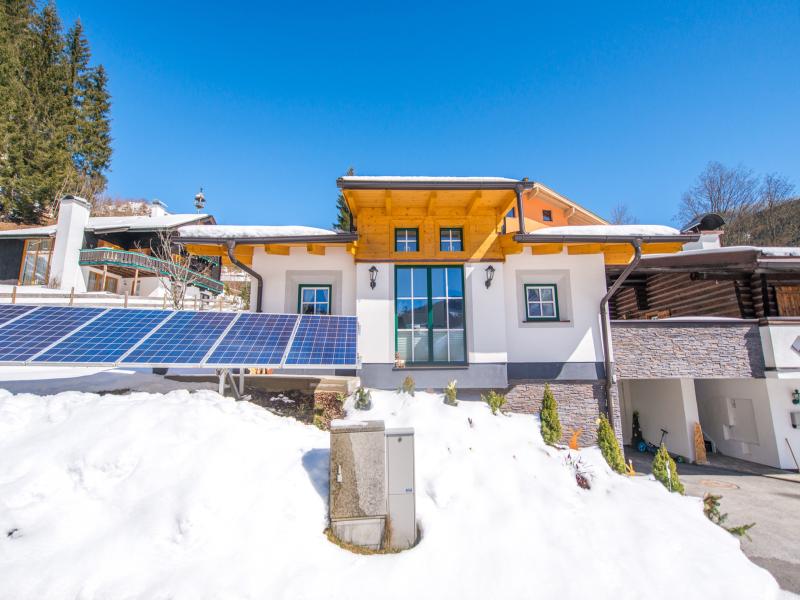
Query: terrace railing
{"x": 143, "y": 262}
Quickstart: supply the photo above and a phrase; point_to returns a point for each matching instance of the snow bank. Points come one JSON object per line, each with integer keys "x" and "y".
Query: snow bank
{"x": 608, "y": 230}
{"x": 250, "y": 231}
{"x": 189, "y": 496}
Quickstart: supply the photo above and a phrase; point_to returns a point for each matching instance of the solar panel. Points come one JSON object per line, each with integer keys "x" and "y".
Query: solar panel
{"x": 35, "y": 331}
{"x": 183, "y": 340}
{"x": 107, "y": 338}
{"x": 255, "y": 339}
{"x": 12, "y": 311}
{"x": 324, "y": 340}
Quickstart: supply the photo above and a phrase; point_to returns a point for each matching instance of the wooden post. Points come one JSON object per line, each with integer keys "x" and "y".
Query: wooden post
{"x": 220, "y": 302}
{"x": 135, "y": 281}
{"x": 164, "y": 300}
{"x": 125, "y": 305}
{"x": 14, "y": 295}
{"x": 72, "y": 296}
{"x": 195, "y": 302}
{"x": 105, "y": 276}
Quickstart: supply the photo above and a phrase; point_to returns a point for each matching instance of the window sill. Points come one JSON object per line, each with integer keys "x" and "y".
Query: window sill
{"x": 429, "y": 367}
{"x": 546, "y": 321}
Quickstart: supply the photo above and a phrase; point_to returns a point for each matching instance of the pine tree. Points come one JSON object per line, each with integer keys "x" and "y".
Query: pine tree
{"x": 343, "y": 216}
{"x": 665, "y": 471}
{"x": 94, "y": 132}
{"x": 551, "y": 425}
{"x": 609, "y": 446}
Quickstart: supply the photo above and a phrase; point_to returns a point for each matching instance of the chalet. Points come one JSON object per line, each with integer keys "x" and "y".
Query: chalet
{"x": 493, "y": 282}
{"x": 115, "y": 254}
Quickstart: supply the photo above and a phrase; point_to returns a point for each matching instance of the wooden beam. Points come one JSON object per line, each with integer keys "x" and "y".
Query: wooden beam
{"x": 547, "y": 248}
{"x": 431, "y": 202}
{"x": 476, "y": 198}
{"x": 351, "y": 248}
{"x": 352, "y": 201}
{"x": 279, "y": 250}
{"x": 317, "y": 249}
{"x": 585, "y": 249}
{"x": 387, "y": 202}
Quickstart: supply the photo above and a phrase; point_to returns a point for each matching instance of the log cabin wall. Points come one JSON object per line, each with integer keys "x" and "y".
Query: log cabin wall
{"x": 693, "y": 295}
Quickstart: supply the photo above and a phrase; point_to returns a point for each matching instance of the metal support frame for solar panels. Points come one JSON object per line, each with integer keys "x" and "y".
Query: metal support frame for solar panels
{"x": 63, "y": 337}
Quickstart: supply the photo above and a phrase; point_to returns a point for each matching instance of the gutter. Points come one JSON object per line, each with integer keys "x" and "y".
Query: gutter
{"x": 393, "y": 184}
{"x": 608, "y": 356}
{"x": 342, "y": 238}
{"x": 231, "y": 244}
{"x": 532, "y": 238}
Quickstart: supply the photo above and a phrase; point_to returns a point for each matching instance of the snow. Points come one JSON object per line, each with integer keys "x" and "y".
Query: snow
{"x": 250, "y": 231}
{"x": 133, "y": 223}
{"x": 608, "y": 230}
{"x": 426, "y": 179}
{"x": 772, "y": 251}
{"x": 191, "y": 495}
{"x": 29, "y": 231}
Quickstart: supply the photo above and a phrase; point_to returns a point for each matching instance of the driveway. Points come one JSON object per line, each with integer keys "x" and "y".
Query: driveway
{"x": 750, "y": 494}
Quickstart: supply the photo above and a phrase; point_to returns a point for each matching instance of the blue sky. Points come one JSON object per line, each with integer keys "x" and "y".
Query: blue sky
{"x": 264, "y": 106}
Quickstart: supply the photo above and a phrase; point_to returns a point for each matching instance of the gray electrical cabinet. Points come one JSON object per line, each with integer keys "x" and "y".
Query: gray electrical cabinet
{"x": 358, "y": 482}
{"x": 400, "y": 486}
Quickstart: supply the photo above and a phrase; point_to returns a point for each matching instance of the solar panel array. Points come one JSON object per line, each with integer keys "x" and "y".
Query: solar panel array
{"x": 255, "y": 339}
{"x": 106, "y": 339}
{"x": 324, "y": 340}
{"x": 82, "y": 336}
{"x": 12, "y": 311}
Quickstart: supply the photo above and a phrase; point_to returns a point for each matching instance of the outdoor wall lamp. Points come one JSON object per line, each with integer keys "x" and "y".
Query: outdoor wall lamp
{"x": 373, "y": 276}
{"x": 489, "y": 276}
{"x": 796, "y": 397}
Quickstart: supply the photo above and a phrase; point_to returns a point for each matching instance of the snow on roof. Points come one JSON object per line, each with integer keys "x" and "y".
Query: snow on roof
{"x": 608, "y": 230}
{"x": 29, "y": 231}
{"x": 772, "y": 251}
{"x": 250, "y": 231}
{"x": 420, "y": 178}
{"x": 133, "y": 223}
{"x": 142, "y": 223}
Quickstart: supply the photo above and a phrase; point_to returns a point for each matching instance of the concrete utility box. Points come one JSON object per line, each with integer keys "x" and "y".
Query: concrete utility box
{"x": 402, "y": 505}
{"x": 358, "y": 482}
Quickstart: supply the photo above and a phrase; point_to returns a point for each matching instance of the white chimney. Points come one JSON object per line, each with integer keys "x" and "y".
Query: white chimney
{"x": 73, "y": 216}
{"x": 158, "y": 208}
{"x": 708, "y": 239}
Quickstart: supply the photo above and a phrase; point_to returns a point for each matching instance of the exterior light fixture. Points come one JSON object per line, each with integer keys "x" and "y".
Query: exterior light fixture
{"x": 796, "y": 397}
{"x": 373, "y": 276}
{"x": 489, "y": 276}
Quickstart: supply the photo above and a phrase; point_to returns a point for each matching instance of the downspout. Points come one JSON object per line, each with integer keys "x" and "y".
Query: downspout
{"x": 231, "y": 247}
{"x": 606, "y": 326}
{"x": 520, "y": 214}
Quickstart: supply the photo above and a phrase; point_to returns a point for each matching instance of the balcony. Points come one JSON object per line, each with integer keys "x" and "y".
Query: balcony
{"x": 123, "y": 259}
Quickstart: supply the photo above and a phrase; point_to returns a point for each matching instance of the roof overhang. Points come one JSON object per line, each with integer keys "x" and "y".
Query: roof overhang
{"x": 532, "y": 238}
{"x": 722, "y": 262}
{"x": 432, "y": 183}
{"x": 339, "y": 238}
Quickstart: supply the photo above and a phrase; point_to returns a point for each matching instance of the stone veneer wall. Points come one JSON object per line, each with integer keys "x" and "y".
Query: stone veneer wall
{"x": 580, "y": 403}
{"x": 692, "y": 348}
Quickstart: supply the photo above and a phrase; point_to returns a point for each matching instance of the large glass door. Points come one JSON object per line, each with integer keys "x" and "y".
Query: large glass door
{"x": 429, "y": 308}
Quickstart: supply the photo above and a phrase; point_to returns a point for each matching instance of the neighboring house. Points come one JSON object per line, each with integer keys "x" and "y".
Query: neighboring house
{"x": 112, "y": 254}
{"x": 711, "y": 335}
{"x": 448, "y": 284}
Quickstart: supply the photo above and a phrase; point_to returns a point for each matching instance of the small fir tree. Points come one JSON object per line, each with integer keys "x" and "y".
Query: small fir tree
{"x": 450, "y": 393}
{"x": 551, "y": 425}
{"x": 636, "y": 433}
{"x": 495, "y": 401}
{"x": 363, "y": 399}
{"x": 343, "y": 217}
{"x": 609, "y": 445}
{"x": 408, "y": 386}
{"x": 665, "y": 471}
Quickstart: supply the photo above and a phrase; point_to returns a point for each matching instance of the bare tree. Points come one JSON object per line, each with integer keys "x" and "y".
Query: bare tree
{"x": 621, "y": 215}
{"x": 775, "y": 190}
{"x": 730, "y": 192}
{"x": 177, "y": 265}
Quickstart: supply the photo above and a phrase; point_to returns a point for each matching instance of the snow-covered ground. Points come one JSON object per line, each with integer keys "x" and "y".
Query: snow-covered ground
{"x": 192, "y": 495}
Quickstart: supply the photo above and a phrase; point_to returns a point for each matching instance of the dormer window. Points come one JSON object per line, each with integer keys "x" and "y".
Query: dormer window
{"x": 547, "y": 216}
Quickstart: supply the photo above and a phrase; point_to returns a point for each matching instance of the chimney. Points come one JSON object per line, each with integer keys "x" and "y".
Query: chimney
{"x": 158, "y": 208}
{"x": 73, "y": 216}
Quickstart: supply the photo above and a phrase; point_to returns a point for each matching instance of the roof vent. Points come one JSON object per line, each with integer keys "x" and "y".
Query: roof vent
{"x": 158, "y": 208}
{"x": 706, "y": 222}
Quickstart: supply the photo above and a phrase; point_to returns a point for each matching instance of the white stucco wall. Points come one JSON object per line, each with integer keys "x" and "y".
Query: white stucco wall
{"x": 283, "y": 274}
{"x": 581, "y": 286}
{"x": 486, "y": 314}
{"x": 781, "y": 345}
{"x": 375, "y": 311}
{"x": 662, "y": 404}
{"x": 781, "y": 407}
{"x": 714, "y": 407}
